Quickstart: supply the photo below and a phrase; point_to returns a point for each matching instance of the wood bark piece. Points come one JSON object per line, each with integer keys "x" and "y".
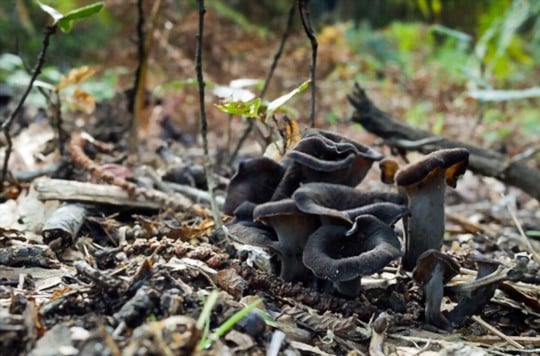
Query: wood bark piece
{"x": 61, "y": 228}
{"x": 66, "y": 190}
{"x": 481, "y": 161}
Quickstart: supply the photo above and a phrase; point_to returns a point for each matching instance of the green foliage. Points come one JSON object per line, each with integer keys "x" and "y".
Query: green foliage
{"x": 22, "y": 21}
{"x": 256, "y": 109}
{"x": 65, "y": 21}
{"x": 13, "y": 74}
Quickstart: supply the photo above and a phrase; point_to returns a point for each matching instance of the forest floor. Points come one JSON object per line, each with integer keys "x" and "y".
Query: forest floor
{"x": 99, "y": 255}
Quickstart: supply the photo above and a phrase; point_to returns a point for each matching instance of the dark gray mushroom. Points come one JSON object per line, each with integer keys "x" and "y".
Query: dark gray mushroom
{"x": 332, "y": 255}
{"x": 433, "y": 270}
{"x": 252, "y": 233}
{"x": 255, "y": 181}
{"x": 335, "y": 201}
{"x": 469, "y": 305}
{"x": 318, "y": 158}
{"x": 244, "y": 211}
{"x": 424, "y": 185}
{"x": 292, "y": 229}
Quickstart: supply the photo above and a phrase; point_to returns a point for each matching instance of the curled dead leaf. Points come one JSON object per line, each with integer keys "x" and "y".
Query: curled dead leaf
{"x": 75, "y": 76}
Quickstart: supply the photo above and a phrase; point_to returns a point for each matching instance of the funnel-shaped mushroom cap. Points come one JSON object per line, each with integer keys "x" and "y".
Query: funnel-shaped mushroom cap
{"x": 424, "y": 184}
{"x": 253, "y": 233}
{"x": 254, "y": 181}
{"x": 292, "y": 228}
{"x": 334, "y": 201}
{"x": 453, "y": 162}
{"x": 388, "y": 213}
{"x": 342, "y": 259}
{"x": 426, "y": 263}
{"x": 316, "y": 158}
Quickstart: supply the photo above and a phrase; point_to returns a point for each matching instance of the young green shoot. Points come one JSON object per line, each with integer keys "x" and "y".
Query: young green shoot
{"x": 206, "y": 340}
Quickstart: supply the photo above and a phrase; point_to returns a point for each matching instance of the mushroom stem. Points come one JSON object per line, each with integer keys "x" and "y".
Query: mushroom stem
{"x": 434, "y": 269}
{"x": 424, "y": 183}
{"x": 433, "y": 292}
{"x": 424, "y": 227}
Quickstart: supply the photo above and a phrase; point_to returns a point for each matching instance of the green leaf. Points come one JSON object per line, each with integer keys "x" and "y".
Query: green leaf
{"x": 55, "y": 14}
{"x": 66, "y": 21}
{"x": 242, "y": 108}
{"x": 203, "y": 322}
{"x": 277, "y": 103}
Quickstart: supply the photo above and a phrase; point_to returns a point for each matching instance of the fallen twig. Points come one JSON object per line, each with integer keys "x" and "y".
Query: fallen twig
{"x": 66, "y": 190}
{"x": 79, "y": 157}
{"x": 497, "y": 332}
{"x": 522, "y": 235}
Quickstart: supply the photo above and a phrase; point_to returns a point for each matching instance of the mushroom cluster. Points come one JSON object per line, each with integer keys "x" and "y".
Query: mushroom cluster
{"x": 306, "y": 210}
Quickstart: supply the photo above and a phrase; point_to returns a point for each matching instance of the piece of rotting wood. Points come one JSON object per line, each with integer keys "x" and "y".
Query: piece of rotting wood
{"x": 83, "y": 192}
{"x": 403, "y": 137}
{"x": 66, "y": 190}
{"x": 62, "y": 227}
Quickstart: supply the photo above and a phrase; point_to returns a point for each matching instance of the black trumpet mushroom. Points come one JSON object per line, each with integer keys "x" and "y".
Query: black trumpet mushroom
{"x": 339, "y": 202}
{"x": 325, "y": 158}
{"x": 433, "y": 270}
{"x": 342, "y": 256}
{"x": 254, "y": 181}
{"x": 469, "y": 305}
{"x": 292, "y": 229}
{"x": 424, "y": 183}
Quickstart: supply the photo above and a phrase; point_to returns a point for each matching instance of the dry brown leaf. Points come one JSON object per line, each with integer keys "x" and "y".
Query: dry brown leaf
{"x": 83, "y": 101}
{"x": 75, "y": 76}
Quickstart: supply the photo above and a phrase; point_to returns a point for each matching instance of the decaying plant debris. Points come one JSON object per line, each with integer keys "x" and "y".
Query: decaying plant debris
{"x": 142, "y": 286}
{"x": 114, "y": 258}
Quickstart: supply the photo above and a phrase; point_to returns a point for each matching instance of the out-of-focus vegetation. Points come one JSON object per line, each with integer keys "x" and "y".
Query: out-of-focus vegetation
{"x": 434, "y": 49}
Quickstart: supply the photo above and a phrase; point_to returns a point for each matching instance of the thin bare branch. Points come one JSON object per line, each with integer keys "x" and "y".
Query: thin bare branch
{"x": 279, "y": 50}
{"x": 6, "y": 125}
{"x": 269, "y": 75}
{"x": 306, "y": 22}
{"x": 208, "y": 167}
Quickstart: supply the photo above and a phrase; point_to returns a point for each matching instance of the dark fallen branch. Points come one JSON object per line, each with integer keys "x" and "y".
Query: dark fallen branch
{"x": 403, "y": 137}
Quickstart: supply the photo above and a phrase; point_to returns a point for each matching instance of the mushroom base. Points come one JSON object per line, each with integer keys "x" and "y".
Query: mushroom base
{"x": 350, "y": 288}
